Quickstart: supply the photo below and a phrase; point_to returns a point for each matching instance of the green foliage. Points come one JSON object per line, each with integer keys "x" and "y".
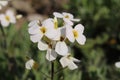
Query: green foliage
{"x": 101, "y": 20}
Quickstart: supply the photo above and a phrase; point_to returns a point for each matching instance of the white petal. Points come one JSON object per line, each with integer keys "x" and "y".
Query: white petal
{"x": 42, "y": 45}
{"x": 68, "y": 14}
{"x": 12, "y": 19}
{"x": 29, "y": 64}
{"x": 72, "y": 65}
{"x": 81, "y": 39}
{"x": 67, "y": 21}
{"x": 11, "y": 15}
{"x": 75, "y": 20}
{"x": 117, "y": 64}
{"x": 61, "y": 48}
{"x": 52, "y": 33}
{"x": 64, "y": 62}
{"x": 56, "y": 14}
{"x": 79, "y": 28}
{"x": 63, "y": 31}
{"x": 51, "y": 55}
{"x": 2, "y": 16}
{"x": 74, "y": 59}
{"x": 48, "y": 23}
{"x": 69, "y": 34}
{"x": 5, "y": 23}
{"x": 33, "y": 23}
{"x": 57, "y": 36}
{"x": 10, "y": 12}
{"x": 36, "y": 38}
{"x": 34, "y": 30}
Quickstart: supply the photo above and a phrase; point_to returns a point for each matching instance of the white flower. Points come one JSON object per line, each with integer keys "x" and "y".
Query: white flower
{"x": 117, "y": 64}
{"x": 38, "y": 30}
{"x": 68, "y": 61}
{"x": 3, "y": 3}
{"x": 7, "y": 18}
{"x": 51, "y": 54}
{"x": 55, "y": 21}
{"x": 67, "y": 17}
{"x": 76, "y": 34}
{"x": 29, "y": 64}
{"x": 61, "y": 47}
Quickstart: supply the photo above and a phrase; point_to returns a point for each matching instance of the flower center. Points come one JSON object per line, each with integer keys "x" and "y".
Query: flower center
{"x": 7, "y": 18}
{"x": 66, "y": 16}
{"x": 62, "y": 38}
{"x": 75, "y": 33}
{"x": 43, "y": 30}
{"x": 69, "y": 56}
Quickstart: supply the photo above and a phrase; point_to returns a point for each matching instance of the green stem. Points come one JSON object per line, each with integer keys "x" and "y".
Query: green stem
{"x": 45, "y": 74}
{"x": 2, "y": 30}
{"x": 4, "y": 40}
{"x": 3, "y": 33}
{"x": 52, "y": 70}
{"x": 61, "y": 69}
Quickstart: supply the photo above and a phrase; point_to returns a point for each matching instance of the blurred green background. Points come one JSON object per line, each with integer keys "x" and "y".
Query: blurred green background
{"x": 101, "y": 19}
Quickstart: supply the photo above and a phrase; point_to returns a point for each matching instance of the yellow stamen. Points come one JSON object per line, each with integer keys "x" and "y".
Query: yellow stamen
{"x": 55, "y": 23}
{"x": 7, "y": 18}
{"x": 69, "y": 56}
{"x": 75, "y": 33}
{"x": 66, "y": 16}
{"x": 43, "y": 30}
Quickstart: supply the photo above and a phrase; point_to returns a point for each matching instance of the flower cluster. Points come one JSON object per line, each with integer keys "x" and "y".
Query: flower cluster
{"x": 52, "y": 38}
{"x": 7, "y": 18}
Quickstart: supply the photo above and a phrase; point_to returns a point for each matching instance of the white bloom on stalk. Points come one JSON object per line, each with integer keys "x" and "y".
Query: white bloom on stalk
{"x": 55, "y": 36}
{"x": 117, "y": 64}
{"x": 29, "y": 64}
{"x": 68, "y": 61}
{"x": 55, "y": 21}
{"x": 51, "y": 54}
{"x": 38, "y": 30}
{"x": 7, "y": 18}
{"x": 3, "y": 3}
{"x": 61, "y": 48}
{"x": 75, "y": 34}
{"x": 67, "y": 17}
